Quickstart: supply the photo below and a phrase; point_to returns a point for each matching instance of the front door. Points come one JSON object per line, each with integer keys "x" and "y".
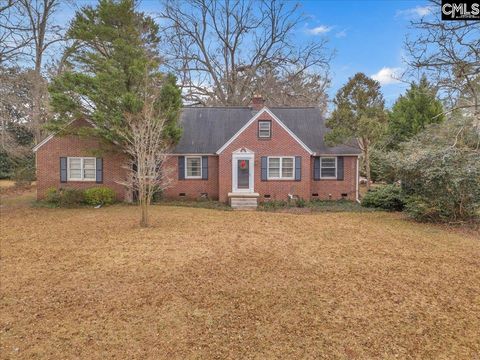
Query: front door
{"x": 242, "y": 173}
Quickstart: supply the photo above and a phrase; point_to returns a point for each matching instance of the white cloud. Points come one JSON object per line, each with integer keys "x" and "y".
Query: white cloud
{"x": 341, "y": 34}
{"x": 387, "y": 76}
{"x": 418, "y": 11}
{"x": 322, "y": 29}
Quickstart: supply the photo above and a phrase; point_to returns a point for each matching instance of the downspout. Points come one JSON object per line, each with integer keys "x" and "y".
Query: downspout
{"x": 356, "y": 185}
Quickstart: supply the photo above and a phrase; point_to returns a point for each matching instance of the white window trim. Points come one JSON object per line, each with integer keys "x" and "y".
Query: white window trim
{"x": 336, "y": 167}
{"x": 281, "y": 164}
{"x": 82, "y": 168}
{"x": 186, "y": 170}
{"x": 269, "y": 122}
{"x": 240, "y": 155}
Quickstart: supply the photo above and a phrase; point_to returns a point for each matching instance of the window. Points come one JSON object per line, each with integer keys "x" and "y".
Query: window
{"x": 81, "y": 169}
{"x": 281, "y": 168}
{"x": 193, "y": 167}
{"x": 264, "y": 129}
{"x": 328, "y": 168}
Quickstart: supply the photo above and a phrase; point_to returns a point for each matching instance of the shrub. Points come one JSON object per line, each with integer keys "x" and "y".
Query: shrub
{"x": 440, "y": 172}
{"x": 65, "y": 197}
{"x": 24, "y": 175}
{"x": 388, "y": 197}
{"x": 52, "y": 196}
{"x": 273, "y": 204}
{"x": 301, "y": 203}
{"x": 421, "y": 209}
{"x": 6, "y": 165}
{"x": 99, "y": 196}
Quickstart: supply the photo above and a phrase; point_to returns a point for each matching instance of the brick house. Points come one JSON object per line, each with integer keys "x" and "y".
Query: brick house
{"x": 239, "y": 155}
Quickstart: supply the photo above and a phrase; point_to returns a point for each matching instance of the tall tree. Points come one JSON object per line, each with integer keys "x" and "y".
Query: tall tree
{"x": 359, "y": 114}
{"x": 27, "y": 33}
{"x": 44, "y": 34}
{"x": 115, "y": 49}
{"x": 412, "y": 112}
{"x": 220, "y": 49}
{"x": 449, "y": 53}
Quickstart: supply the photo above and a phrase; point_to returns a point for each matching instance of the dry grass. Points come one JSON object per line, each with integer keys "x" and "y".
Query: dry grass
{"x": 6, "y": 183}
{"x": 85, "y": 283}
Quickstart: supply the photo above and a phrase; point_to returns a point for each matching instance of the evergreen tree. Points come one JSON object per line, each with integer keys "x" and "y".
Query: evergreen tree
{"x": 114, "y": 51}
{"x": 412, "y": 112}
{"x": 359, "y": 114}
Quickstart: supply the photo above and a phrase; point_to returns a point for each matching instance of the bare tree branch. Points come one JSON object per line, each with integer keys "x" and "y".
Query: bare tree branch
{"x": 221, "y": 50}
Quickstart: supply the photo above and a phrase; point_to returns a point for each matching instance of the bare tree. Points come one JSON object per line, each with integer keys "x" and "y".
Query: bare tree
{"x": 218, "y": 49}
{"x": 14, "y": 107}
{"x": 298, "y": 89}
{"x": 449, "y": 53}
{"x": 14, "y": 32}
{"x": 147, "y": 148}
{"x": 44, "y": 34}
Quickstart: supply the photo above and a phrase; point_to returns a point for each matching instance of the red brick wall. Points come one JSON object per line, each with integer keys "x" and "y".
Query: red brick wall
{"x": 193, "y": 188}
{"x": 219, "y": 182}
{"x": 280, "y": 144}
{"x": 48, "y": 164}
{"x": 333, "y": 189}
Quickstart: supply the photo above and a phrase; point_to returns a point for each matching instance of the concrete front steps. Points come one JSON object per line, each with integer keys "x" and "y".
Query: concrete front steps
{"x": 243, "y": 201}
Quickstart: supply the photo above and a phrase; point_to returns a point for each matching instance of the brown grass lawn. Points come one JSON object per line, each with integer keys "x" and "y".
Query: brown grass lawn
{"x": 209, "y": 284}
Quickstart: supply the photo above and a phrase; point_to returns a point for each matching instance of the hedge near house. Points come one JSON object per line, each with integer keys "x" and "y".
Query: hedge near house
{"x": 440, "y": 172}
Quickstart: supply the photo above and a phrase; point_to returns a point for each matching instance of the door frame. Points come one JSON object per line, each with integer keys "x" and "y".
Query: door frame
{"x": 243, "y": 154}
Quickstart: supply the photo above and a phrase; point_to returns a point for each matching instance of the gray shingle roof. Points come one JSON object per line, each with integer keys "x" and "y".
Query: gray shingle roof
{"x": 207, "y": 129}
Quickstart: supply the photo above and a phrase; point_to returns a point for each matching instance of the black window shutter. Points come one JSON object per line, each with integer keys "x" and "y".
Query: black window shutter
{"x": 205, "y": 167}
{"x": 181, "y": 167}
{"x": 340, "y": 168}
{"x": 316, "y": 168}
{"x": 264, "y": 168}
{"x": 99, "y": 172}
{"x": 63, "y": 169}
{"x": 298, "y": 168}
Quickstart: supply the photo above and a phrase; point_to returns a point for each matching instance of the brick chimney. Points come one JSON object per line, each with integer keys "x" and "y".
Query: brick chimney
{"x": 257, "y": 102}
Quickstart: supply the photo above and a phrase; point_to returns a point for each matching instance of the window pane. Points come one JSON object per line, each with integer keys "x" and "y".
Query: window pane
{"x": 328, "y": 162}
{"x": 274, "y": 167}
{"x": 75, "y": 163}
{"x": 89, "y": 163}
{"x": 75, "y": 168}
{"x": 75, "y": 174}
{"x": 89, "y": 173}
{"x": 193, "y": 167}
{"x": 264, "y": 128}
{"x": 328, "y": 172}
{"x": 287, "y": 167}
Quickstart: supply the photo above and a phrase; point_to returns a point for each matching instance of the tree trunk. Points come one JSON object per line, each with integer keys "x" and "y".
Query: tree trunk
{"x": 366, "y": 153}
{"x": 36, "y": 106}
{"x": 144, "y": 208}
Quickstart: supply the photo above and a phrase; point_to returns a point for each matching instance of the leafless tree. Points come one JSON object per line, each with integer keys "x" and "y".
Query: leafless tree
{"x": 298, "y": 89}
{"x": 147, "y": 150}
{"x": 449, "y": 53}
{"x": 14, "y": 32}
{"x": 15, "y": 99}
{"x": 218, "y": 49}
{"x": 44, "y": 34}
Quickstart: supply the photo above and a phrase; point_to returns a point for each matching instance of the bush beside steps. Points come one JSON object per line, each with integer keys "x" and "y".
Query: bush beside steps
{"x": 66, "y": 197}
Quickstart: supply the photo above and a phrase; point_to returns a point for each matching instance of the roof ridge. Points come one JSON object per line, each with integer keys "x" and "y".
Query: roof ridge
{"x": 216, "y": 107}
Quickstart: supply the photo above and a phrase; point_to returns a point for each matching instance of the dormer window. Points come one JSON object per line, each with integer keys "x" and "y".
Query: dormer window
{"x": 265, "y": 129}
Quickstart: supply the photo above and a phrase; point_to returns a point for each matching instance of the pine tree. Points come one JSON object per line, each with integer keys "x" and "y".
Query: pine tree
{"x": 412, "y": 112}
{"x": 114, "y": 51}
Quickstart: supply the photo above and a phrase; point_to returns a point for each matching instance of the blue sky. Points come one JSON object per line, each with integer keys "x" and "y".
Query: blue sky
{"x": 367, "y": 36}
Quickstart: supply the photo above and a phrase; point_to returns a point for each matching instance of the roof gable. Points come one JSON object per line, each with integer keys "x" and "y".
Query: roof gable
{"x": 253, "y": 119}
